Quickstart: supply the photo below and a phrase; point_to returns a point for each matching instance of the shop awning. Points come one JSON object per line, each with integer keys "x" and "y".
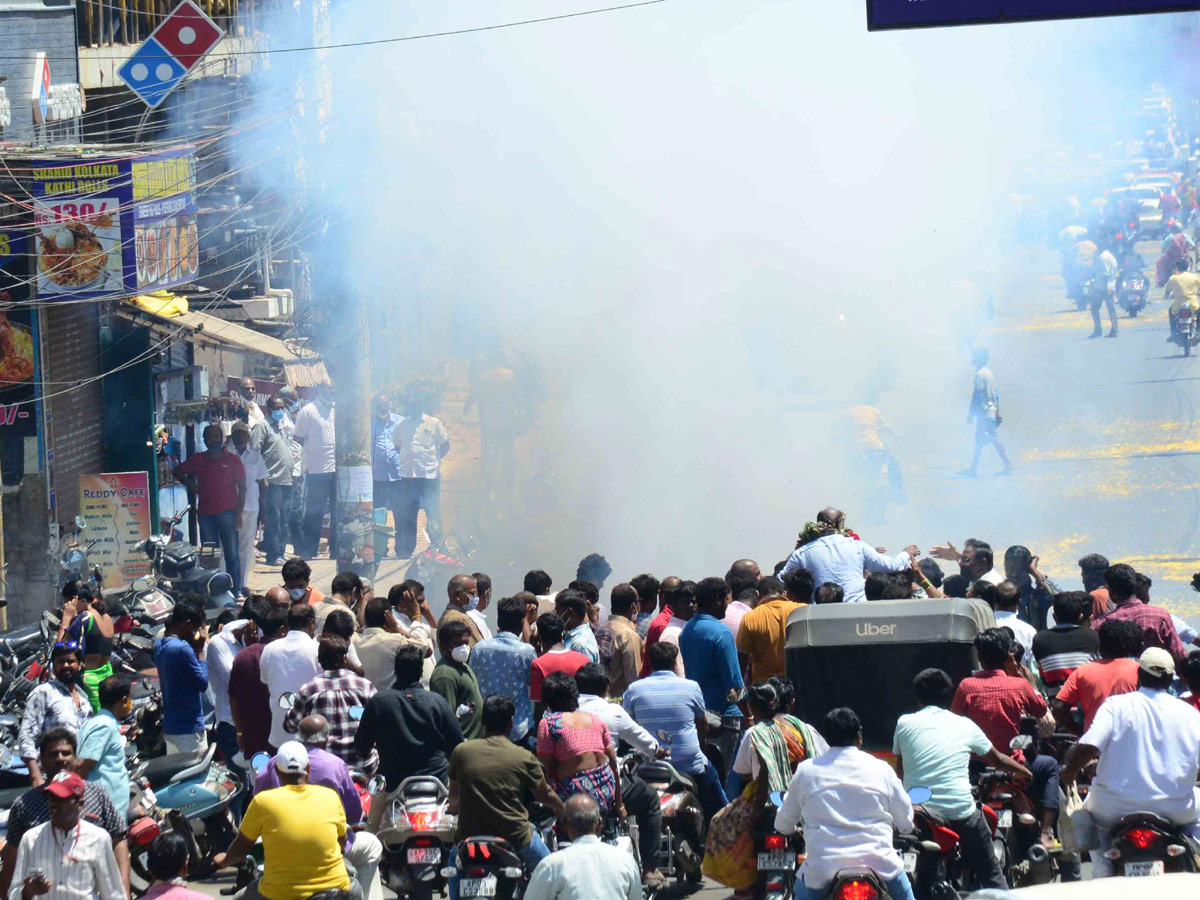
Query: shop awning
{"x": 300, "y": 372}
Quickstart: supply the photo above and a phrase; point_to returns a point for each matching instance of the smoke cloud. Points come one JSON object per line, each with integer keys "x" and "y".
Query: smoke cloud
{"x": 712, "y": 226}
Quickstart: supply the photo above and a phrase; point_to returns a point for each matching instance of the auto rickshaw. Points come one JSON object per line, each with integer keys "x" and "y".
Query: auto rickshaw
{"x": 864, "y": 656}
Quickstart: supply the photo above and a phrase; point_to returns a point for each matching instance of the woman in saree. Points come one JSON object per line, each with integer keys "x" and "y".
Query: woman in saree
{"x": 768, "y": 755}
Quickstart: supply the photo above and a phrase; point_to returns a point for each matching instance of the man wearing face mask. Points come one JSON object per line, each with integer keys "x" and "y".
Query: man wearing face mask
{"x": 316, "y": 433}
{"x": 255, "y": 488}
{"x": 272, "y": 442}
{"x": 463, "y": 595}
{"x": 219, "y": 479}
{"x": 453, "y": 679}
{"x": 296, "y": 575}
{"x": 385, "y": 461}
{"x": 422, "y": 442}
{"x": 294, "y": 516}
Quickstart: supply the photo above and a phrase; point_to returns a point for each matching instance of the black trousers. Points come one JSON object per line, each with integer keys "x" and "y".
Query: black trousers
{"x": 975, "y": 839}
{"x": 641, "y": 802}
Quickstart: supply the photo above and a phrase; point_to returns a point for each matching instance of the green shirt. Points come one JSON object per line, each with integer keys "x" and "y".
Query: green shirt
{"x": 493, "y": 776}
{"x": 457, "y": 683}
{"x": 935, "y": 746}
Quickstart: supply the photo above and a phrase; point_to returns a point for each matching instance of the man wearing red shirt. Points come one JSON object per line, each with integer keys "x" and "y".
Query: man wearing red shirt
{"x": 1158, "y": 629}
{"x": 555, "y": 658}
{"x": 1115, "y": 672}
{"x": 220, "y": 481}
{"x": 666, "y": 593}
{"x": 995, "y": 700}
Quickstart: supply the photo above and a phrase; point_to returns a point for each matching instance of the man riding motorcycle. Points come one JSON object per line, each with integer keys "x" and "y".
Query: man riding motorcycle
{"x": 1149, "y": 748}
{"x": 1176, "y": 245}
{"x": 1183, "y": 289}
{"x": 850, "y": 803}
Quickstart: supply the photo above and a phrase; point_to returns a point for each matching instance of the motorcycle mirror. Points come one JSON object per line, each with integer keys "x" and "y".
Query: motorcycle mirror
{"x": 376, "y": 786}
{"x": 144, "y": 583}
{"x": 1021, "y": 742}
{"x": 80, "y": 523}
{"x": 663, "y": 736}
{"x": 777, "y": 797}
{"x": 259, "y": 761}
{"x": 919, "y": 795}
{"x": 356, "y": 712}
{"x": 287, "y": 700}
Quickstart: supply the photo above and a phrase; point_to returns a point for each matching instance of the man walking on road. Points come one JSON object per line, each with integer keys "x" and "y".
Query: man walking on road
{"x": 385, "y": 462}
{"x": 1104, "y": 288}
{"x": 985, "y": 414}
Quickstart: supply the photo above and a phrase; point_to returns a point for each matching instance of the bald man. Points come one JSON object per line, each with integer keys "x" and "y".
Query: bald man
{"x": 589, "y": 867}
{"x": 278, "y": 598}
{"x": 362, "y": 849}
{"x": 463, "y": 596}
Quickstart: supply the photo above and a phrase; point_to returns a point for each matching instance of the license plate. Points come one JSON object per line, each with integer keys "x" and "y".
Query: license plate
{"x": 1144, "y": 869}
{"x": 1004, "y": 818}
{"x": 910, "y": 863}
{"x": 418, "y": 855}
{"x": 477, "y": 887}
{"x": 776, "y": 859}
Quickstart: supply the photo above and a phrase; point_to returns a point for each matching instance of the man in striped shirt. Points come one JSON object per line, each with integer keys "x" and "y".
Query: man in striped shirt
{"x": 66, "y": 858}
{"x": 1061, "y": 650}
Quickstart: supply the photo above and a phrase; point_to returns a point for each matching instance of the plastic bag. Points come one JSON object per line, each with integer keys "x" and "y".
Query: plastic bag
{"x": 1076, "y": 828}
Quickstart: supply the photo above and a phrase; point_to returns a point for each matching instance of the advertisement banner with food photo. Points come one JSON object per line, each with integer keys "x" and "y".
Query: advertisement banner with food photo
{"x": 77, "y": 209}
{"x": 115, "y": 227}
{"x": 18, "y": 363}
{"x": 165, "y": 234}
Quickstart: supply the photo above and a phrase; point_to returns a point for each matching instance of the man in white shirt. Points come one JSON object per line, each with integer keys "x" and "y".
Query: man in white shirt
{"x": 288, "y": 663}
{"x": 67, "y": 858}
{"x": 222, "y": 648}
{"x": 315, "y": 432}
{"x": 1149, "y": 748}
{"x": 640, "y": 800}
{"x": 1008, "y": 600}
{"x": 256, "y": 487}
{"x": 849, "y": 803}
{"x": 422, "y": 442}
{"x": 588, "y": 869}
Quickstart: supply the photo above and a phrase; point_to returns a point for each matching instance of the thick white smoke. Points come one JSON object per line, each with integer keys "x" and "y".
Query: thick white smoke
{"x": 713, "y": 224}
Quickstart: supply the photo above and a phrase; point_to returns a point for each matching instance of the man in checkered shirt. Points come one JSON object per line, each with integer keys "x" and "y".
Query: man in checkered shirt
{"x": 333, "y": 694}
{"x": 1158, "y": 629}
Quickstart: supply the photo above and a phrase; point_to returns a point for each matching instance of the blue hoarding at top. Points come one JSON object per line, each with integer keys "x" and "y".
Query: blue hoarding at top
{"x": 885, "y": 14}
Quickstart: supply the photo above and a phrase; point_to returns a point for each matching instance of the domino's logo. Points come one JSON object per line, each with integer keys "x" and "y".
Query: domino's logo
{"x": 172, "y": 50}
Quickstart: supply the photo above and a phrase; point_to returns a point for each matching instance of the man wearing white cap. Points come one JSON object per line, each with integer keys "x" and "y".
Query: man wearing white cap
{"x": 302, "y": 827}
{"x": 1149, "y": 748}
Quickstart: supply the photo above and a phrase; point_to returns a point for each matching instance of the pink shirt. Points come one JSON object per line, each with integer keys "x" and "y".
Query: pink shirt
{"x": 558, "y": 740}
{"x": 162, "y": 890}
{"x": 733, "y": 616}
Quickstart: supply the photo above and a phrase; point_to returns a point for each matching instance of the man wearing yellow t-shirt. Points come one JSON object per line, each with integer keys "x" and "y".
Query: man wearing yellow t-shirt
{"x": 1184, "y": 290}
{"x": 301, "y": 825}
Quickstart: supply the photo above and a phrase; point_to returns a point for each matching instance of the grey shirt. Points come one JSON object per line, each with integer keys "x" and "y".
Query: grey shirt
{"x": 271, "y": 441}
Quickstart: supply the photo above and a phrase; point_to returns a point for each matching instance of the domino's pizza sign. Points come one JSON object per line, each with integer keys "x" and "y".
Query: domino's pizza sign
{"x": 172, "y": 50}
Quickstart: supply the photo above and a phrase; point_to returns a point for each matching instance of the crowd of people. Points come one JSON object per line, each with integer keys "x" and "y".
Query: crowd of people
{"x": 277, "y": 467}
{"x": 538, "y": 708}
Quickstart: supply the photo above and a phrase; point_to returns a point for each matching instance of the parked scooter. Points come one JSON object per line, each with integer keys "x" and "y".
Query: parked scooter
{"x": 178, "y": 569}
{"x": 73, "y": 559}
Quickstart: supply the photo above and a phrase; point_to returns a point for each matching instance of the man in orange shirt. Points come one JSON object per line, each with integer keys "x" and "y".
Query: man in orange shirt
{"x": 296, "y": 574}
{"x": 1115, "y": 672}
{"x": 760, "y": 639}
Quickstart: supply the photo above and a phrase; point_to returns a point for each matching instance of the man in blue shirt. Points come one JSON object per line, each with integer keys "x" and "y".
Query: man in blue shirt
{"x": 183, "y": 676}
{"x": 101, "y": 753}
{"x": 665, "y": 702}
{"x": 710, "y": 658}
{"x": 571, "y": 606}
{"x": 503, "y": 665}
{"x": 385, "y": 459}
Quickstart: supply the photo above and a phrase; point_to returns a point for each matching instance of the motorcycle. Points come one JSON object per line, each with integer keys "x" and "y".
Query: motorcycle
{"x": 682, "y": 844}
{"x": 1133, "y": 292}
{"x": 417, "y": 833}
{"x": 777, "y": 854}
{"x": 179, "y": 568}
{"x": 1015, "y": 828}
{"x": 1145, "y": 845}
{"x": 193, "y": 795}
{"x": 73, "y": 559}
{"x": 486, "y": 866}
{"x": 1187, "y": 332}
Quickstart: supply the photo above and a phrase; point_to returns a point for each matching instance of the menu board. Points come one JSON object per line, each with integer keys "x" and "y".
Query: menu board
{"x": 116, "y": 509}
